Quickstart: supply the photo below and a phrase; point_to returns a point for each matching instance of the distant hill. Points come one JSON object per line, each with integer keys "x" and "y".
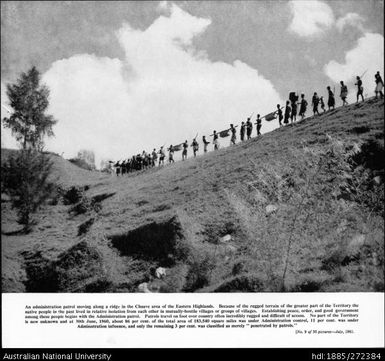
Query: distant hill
{"x": 64, "y": 172}
{"x": 296, "y": 209}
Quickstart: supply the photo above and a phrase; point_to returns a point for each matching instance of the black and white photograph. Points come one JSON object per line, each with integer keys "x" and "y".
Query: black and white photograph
{"x": 192, "y": 146}
{"x": 196, "y": 174}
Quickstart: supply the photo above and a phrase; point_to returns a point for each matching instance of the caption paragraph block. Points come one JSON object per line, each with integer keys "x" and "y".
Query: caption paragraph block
{"x": 342, "y": 317}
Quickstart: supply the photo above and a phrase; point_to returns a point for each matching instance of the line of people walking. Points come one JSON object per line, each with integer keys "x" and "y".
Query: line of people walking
{"x": 286, "y": 116}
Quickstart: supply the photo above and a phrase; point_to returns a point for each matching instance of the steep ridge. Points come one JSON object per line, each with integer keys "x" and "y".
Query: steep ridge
{"x": 297, "y": 209}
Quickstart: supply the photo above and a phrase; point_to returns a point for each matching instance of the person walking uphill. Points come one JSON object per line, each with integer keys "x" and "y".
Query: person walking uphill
{"x": 162, "y": 155}
{"x": 154, "y": 157}
{"x": 321, "y": 100}
{"x": 117, "y": 168}
{"x": 315, "y": 102}
{"x": 195, "y": 147}
{"x": 344, "y": 93}
{"x": 293, "y": 115}
{"x": 205, "y": 144}
{"x": 215, "y": 140}
{"x": 360, "y": 89}
{"x": 249, "y": 128}
{"x": 302, "y": 107}
{"x": 379, "y": 85}
{"x": 280, "y": 115}
{"x": 171, "y": 154}
{"x": 331, "y": 100}
{"x": 259, "y": 124}
{"x": 287, "y": 113}
{"x": 233, "y": 134}
{"x": 242, "y": 131}
{"x": 184, "y": 152}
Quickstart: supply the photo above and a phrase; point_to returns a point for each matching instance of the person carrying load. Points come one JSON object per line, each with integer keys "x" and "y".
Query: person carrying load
{"x": 280, "y": 115}
{"x": 360, "y": 89}
{"x": 195, "y": 147}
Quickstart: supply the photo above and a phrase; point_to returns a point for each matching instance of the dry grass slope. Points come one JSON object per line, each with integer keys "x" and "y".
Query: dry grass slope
{"x": 303, "y": 207}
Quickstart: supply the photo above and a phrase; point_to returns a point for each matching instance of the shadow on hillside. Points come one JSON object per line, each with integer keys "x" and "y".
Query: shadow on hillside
{"x": 79, "y": 269}
{"x": 159, "y": 242}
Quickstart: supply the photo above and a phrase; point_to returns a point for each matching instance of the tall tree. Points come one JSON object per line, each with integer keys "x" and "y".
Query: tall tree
{"x": 29, "y": 100}
{"x": 25, "y": 176}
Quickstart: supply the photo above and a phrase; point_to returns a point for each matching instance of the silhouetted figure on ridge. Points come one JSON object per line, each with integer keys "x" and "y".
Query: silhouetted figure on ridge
{"x": 321, "y": 100}
{"x": 293, "y": 97}
{"x": 360, "y": 89}
{"x": 344, "y": 93}
{"x": 154, "y": 157}
{"x": 315, "y": 101}
{"x": 205, "y": 144}
{"x": 331, "y": 100}
{"x": 242, "y": 131}
{"x": 233, "y": 134}
{"x": 162, "y": 155}
{"x": 184, "y": 152}
{"x": 287, "y": 113}
{"x": 259, "y": 124}
{"x": 280, "y": 115}
{"x": 215, "y": 140}
{"x": 379, "y": 85}
{"x": 171, "y": 154}
{"x": 249, "y": 128}
{"x": 195, "y": 147}
{"x": 302, "y": 106}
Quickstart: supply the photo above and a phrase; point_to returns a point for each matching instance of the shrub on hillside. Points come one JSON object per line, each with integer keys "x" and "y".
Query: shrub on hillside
{"x": 367, "y": 164}
{"x": 25, "y": 180}
{"x": 72, "y": 195}
{"x": 85, "y": 205}
{"x": 199, "y": 273}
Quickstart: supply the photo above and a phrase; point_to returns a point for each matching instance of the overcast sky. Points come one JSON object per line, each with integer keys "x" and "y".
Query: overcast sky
{"x": 130, "y": 76}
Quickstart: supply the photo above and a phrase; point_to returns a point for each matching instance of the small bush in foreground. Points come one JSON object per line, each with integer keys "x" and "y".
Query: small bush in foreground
{"x": 25, "y": 180}
{"x": 199, "y": 274}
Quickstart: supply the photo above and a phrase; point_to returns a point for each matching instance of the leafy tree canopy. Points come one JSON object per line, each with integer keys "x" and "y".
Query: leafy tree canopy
{"x": 29, "y": 100}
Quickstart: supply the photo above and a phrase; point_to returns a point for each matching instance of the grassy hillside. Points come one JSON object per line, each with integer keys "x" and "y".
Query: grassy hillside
{"x": 64, "y": 173}
{"x": 297, "y": 209}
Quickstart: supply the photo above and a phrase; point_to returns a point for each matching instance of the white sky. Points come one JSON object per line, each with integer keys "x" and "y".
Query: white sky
{"x": 165, "y": 89}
